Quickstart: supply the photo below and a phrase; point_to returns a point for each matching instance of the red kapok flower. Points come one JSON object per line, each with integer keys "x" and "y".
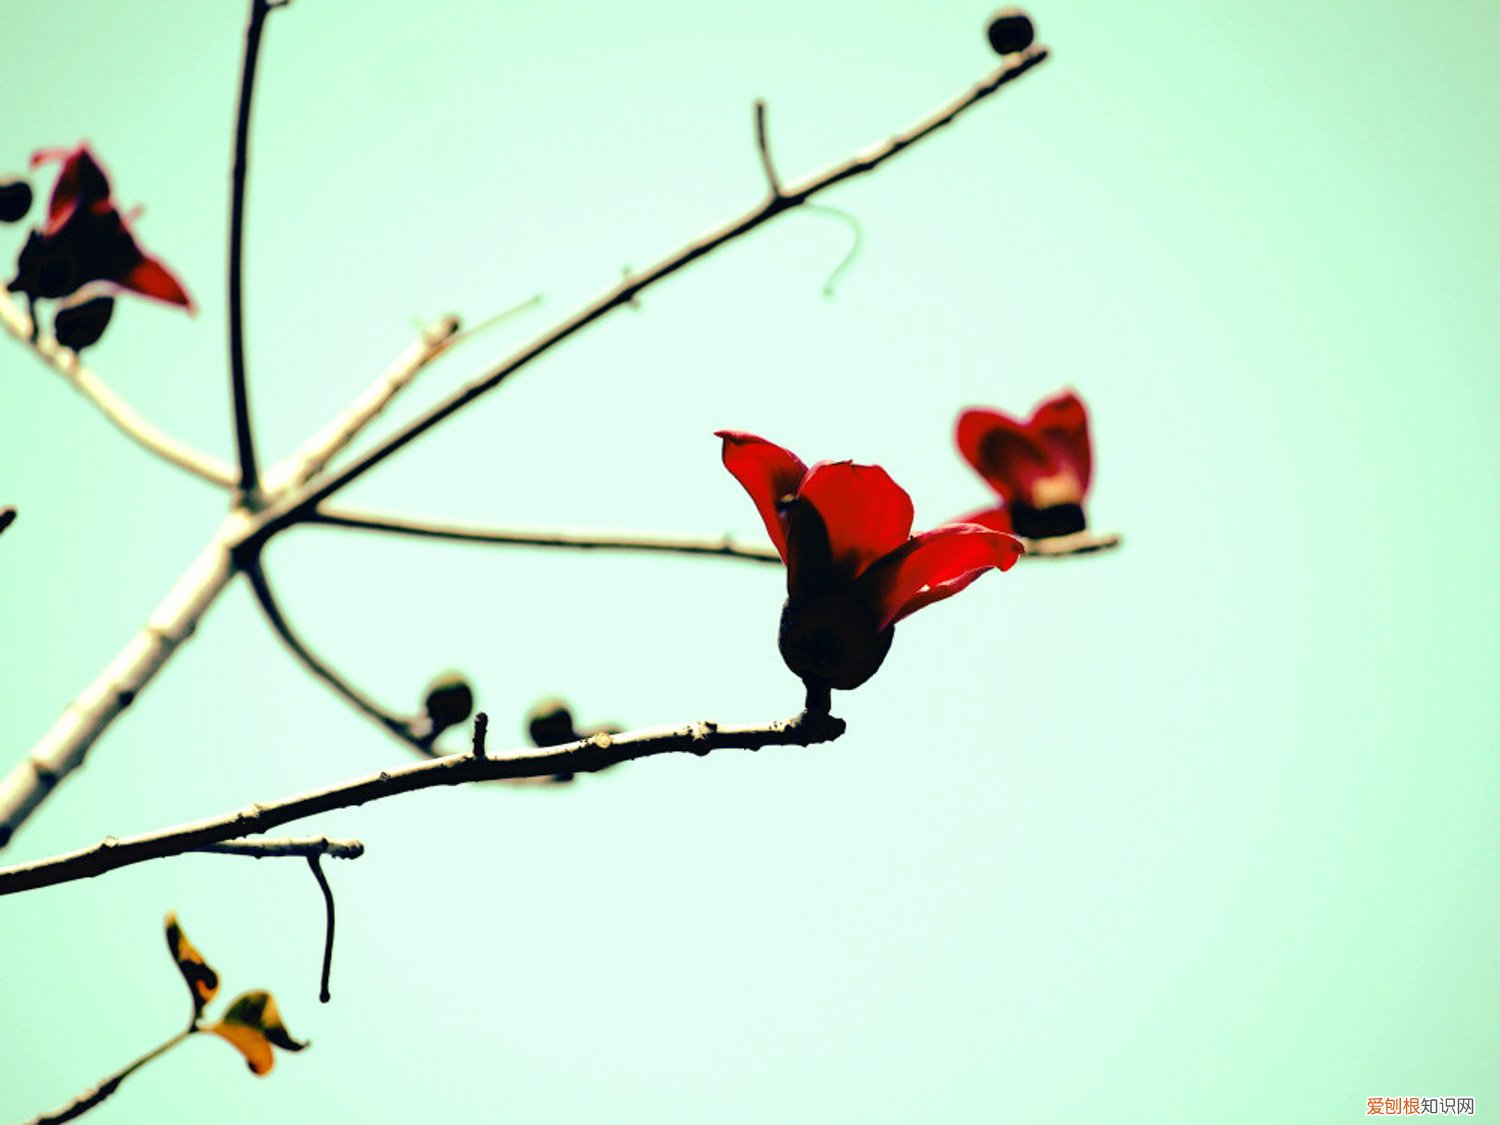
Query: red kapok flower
{"x": 853, "y": 567}
{"x": 86, "y": 239}
{"x": 1040, "y": 467}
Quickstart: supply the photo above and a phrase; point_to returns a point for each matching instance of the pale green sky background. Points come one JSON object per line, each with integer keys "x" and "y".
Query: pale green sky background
{"x": 1200, "y": 831}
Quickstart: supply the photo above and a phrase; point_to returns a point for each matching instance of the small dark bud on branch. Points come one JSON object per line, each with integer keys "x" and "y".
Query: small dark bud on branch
{"x": 15, "y": 200}
{"x": 449, "y": 701}
{"x": 80, "y": 324}
{"x": 1010, "y": 31}
{"x": 550, "y": 723}
{"x": 7, "y": 517}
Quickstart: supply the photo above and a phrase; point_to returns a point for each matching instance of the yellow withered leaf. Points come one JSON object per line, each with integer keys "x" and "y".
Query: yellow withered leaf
{"x": 252, "y": 1025}
{"x": 202, "y": 981}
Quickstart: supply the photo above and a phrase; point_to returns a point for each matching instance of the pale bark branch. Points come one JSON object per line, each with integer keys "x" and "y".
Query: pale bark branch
{"x": 315, "y": 453}
{"x": 724, "y": 547}
{"x": 67, "y": 364}
{"x": 1068, "y": 546}
{"x": 63, "y": 748}
{"x": 290, "y": 512}
{"x": 584, "y": 756}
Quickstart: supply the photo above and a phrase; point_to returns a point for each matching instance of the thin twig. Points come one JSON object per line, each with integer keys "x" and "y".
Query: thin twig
{"x": 308, "y": 847}
{"x": 119, "y": 414}
{"x": 315, "y": 453}
{"x": 314, "y": 862}
{"x": 244, "y": 436}
{"x": 397, "y": 725}
{"x": 292, "y": 511}
{"x": 582, "y": 541}
{"x": 763, "y": 147}
{"x": 855, "y": 246}
{"x": 92, "y": 1097}
{"x": 584, "y": 756}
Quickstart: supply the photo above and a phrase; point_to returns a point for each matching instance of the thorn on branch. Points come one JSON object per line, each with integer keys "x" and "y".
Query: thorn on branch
{"x": 763, "y": 147}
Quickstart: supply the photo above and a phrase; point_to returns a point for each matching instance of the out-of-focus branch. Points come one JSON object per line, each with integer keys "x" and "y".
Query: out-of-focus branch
{"x": 1067, "y": 546}
{"x": 584, "y": 756}
{"x": 395, "y": 724}
{"x": 790, "y": 197}
{"x": 239, "y": 390}
{"x": 67, "y": 364}
{"x": 582, "y": 541}
{"x": 92, "y": 1097}
{"x": 305, "y": 848}
{"x": 313, "y": 457}
{"x": 62, "y": 749}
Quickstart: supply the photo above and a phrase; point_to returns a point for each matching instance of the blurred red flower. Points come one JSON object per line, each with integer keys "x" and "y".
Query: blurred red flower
{"x": 86, "y": 239}
{"x": 1040, "y": 467}
{"x": 853, "y": 567}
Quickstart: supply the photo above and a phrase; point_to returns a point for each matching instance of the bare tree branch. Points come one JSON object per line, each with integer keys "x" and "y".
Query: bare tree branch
{"x": 239, "y": 391}
{"x": 327, "y": 443}
{"x": 724, "y": 547}
{"x": 62, "y": 749}
{"x": 397, "y": 725}
{"x": 1067, "y": 546}
{"x": 585, "y": 756}
{"x": 96, "y": 1094}
{"x": 67, "y": 364}
{"x": 304, "y": 848}
{"x": 289, "y": 512}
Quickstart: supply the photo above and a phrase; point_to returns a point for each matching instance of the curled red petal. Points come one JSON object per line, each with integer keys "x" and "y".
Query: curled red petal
{"x": 932, "y": 566}
{"x": 1004, "y": 452}
{"x": 150, "y": 278}
{"x": 866, "y": 513}
{"x": 1061, "y": 424}
{"x": 769, "y": 473}
{"x": 81, "y": 182}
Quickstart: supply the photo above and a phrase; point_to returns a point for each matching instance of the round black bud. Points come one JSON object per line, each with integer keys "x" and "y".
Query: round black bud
{"x": 15, "y": 200}
{"x": 832, "y": 640}
{"x": 79, "y": 324}
{"x": 550, "y": 723}
{"x": 449, "y": 700}
{"x": 1010, "y": 31}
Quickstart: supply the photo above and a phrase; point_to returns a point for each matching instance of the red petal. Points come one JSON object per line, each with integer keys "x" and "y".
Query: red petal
{"x": 867, "y": 514}
{"x": 150, "y": 278}
{"x": 935, "y": 565}
{"x": 770, "y": 475}
{"x": 1003, "y": 452}
{"x": 1062, "y": 425}
{"x": 996, "y": 519}
{"x": 80, "y": 183}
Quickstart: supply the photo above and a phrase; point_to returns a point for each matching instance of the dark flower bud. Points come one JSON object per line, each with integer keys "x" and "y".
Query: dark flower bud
{"x": 45, "y": 268}
{"x": 80, "y": 324}
{"x": 15, "y": 200}
{"x": 7, "y": 517}
{"x": 832, "y": 639}
{"x": 1011, "y": 31}
{"x": 1045, "y": 523}
{"x": 550, "y": 723}
{"x": 449, "y": 700}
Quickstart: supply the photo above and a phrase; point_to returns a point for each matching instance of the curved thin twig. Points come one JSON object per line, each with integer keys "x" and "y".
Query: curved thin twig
{"x": 314, "y": 862}
{"x": 397, "y": 725}
{"x": 584, "y": 756}
{"x": 855, "y": 246}
{"x": 115, "y": 409}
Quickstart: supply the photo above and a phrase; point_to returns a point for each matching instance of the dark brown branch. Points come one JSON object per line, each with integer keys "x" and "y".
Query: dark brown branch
{"x": 395, "y": 724}
{"x": 314, "y": 862}
{"x": 298, "y": 508}
{"x": 584, "y": 756}
{"x": 93, "y": 1096}
{"x": 308, "y": 848}
{"x": 425, "y": 529}
{"x": 244, "y": 437}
